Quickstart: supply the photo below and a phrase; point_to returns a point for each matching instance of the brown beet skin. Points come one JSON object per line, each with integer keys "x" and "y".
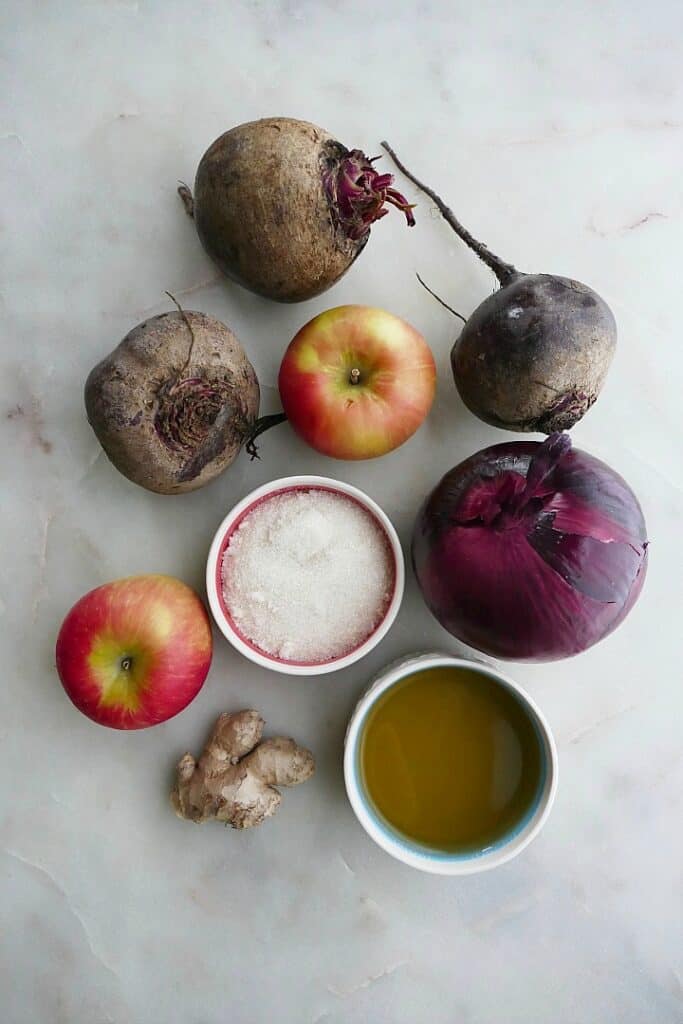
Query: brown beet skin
{"x": 174, "y": 402}
{"x": 534, "y": 355}
{"x": 262, "y": 213}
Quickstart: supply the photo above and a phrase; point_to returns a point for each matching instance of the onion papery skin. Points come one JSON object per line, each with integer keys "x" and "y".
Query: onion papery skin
{"x": 530, "y": 551}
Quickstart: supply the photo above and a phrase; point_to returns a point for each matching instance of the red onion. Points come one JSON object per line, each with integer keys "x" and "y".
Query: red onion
{"x": 531, "y": 550}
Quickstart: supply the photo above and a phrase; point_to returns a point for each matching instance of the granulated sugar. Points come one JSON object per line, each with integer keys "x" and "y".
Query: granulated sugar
{"x": 307, "y": 575}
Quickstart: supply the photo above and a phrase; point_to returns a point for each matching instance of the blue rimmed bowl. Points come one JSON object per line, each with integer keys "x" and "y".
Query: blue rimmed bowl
{"x": 426, "y": 858}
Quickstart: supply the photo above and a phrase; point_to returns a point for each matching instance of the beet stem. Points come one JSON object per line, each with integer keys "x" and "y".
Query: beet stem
{"x": 357, "y": 194}
{"x": 439, "y": 299}
{"x": 262, "y": 424}
{"x": 186, "y": 318}
{"x": 186, "y": 196}
{"x": 503, "y": 271}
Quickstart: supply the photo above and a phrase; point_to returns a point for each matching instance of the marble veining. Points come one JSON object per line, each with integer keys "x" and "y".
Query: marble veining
{"x": 557, "y": 136}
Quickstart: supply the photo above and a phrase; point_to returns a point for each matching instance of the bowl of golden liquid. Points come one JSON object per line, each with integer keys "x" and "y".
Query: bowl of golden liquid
{"x": 449, "y": 765}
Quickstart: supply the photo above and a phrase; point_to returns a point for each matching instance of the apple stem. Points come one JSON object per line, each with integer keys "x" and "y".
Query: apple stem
{"x": 262, "y": 424}
{"x": 126, "y": 664}
{"x": 354, "y": 376}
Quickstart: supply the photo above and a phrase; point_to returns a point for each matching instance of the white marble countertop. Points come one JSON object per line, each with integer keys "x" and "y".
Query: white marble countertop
{"x": 557, "y": 134}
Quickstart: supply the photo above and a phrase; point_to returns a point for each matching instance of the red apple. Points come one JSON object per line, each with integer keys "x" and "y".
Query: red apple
{"x": 135, "y": 652}
{"x": 356, "y": 382}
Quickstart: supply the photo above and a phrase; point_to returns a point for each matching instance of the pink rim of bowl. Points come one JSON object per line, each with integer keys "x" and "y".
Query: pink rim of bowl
{"x": 220, "y": 542}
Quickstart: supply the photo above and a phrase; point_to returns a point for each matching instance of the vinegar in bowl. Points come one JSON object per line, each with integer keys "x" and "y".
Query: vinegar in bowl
{"x": 451, "y": 760}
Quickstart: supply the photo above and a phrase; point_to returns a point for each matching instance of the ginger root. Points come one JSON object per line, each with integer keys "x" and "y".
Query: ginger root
{"x": 234, "y": 780}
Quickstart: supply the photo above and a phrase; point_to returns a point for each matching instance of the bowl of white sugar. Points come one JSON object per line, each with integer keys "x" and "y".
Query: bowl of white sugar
{"x": 305, "y": 575}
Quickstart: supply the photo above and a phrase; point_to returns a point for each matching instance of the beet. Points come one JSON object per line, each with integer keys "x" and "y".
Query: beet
{"x": 535, "y": 354}
{"x": 174, "y": 402}
{"x": 284, "y": 209}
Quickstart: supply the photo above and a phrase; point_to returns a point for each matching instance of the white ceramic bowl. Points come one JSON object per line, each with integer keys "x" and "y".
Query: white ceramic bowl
{"x": 220, "y": 542}
{"x": 414, "y": 854}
